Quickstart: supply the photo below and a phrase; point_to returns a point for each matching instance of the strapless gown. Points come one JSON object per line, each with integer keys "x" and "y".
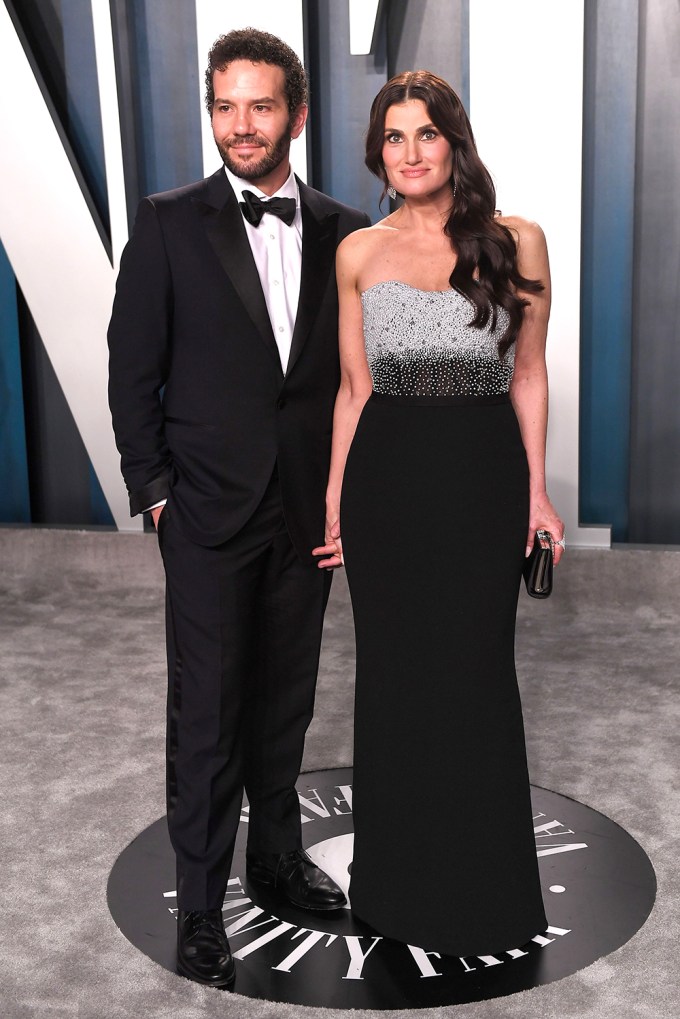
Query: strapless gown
{"x": 434, "y": 517}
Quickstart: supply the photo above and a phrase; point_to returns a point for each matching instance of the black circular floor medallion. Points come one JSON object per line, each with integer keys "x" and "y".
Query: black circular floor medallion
{"x": 598, "y": 888}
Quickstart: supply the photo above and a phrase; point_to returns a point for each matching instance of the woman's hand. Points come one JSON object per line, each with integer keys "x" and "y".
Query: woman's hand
{"x": 332, "y": 546}
{"x": 542, "y": 514}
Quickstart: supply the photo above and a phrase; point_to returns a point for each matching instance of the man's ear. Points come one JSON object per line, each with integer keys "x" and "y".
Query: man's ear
{"x": 298, "y": 121}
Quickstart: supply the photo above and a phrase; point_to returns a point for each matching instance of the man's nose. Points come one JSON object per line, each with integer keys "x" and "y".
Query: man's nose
{"x": 243, "y": 124}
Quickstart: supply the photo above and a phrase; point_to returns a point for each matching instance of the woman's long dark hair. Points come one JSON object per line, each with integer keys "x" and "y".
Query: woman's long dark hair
{"x": 480, "y": 242}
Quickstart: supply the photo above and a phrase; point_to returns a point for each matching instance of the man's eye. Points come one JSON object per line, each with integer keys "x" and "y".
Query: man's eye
{"x": 261, "y": 109}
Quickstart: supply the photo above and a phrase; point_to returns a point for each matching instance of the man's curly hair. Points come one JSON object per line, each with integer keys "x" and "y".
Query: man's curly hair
{"x": 251, "y": 44}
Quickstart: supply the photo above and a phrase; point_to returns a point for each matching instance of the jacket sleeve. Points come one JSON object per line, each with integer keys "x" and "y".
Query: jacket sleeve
{"x": 139, "y": 357}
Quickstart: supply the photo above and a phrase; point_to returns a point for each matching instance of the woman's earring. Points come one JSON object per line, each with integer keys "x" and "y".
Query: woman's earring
{"x": 392, "y": 191}
{"x": 455, "y": 187}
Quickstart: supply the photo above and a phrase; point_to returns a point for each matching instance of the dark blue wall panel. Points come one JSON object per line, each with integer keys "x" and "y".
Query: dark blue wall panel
{"x": 342, "y": 88}
{"x": 610, "y": 88}
{"x": 655, "y": 420}
{"x": 160, "y": 105}
{"x": 433, "y": 35}
{"x": 14, "y": 497}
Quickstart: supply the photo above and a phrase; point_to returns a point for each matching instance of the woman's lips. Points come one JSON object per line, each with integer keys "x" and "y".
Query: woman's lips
{"x": 413, "y": 173}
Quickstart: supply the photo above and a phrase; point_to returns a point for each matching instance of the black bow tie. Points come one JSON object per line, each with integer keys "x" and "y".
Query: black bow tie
{"x": 254, "y": 208}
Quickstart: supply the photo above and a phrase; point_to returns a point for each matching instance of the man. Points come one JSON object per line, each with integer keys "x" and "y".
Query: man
{"x": 224, "y": 369}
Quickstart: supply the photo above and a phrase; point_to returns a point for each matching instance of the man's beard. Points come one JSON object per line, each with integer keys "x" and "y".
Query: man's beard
{"x": 254, "y": 169}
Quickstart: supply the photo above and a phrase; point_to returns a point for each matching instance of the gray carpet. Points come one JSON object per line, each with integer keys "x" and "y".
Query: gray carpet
{"x": 81, "y": 710}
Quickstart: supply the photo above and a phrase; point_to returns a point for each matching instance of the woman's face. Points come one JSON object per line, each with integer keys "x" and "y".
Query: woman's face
{"x": 417, "y": 157}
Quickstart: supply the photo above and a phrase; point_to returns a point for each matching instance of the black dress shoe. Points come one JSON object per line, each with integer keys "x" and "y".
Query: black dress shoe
{"x": 203, "y": 952}
{"x": 297, "y": 878}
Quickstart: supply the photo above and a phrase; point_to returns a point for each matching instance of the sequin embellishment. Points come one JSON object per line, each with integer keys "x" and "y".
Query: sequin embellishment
{"x": 421, "y": 343}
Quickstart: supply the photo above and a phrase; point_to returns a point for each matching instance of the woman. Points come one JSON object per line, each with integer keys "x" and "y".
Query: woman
{"x": 443, "y": 490}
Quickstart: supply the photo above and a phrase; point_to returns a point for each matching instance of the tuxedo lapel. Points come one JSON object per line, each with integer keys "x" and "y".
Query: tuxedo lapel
{"x": 226, "y": 232}
{"x": 319, "y": 241}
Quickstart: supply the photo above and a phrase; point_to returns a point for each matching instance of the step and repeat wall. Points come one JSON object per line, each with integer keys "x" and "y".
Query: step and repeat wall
{"x": 575, "y": 109}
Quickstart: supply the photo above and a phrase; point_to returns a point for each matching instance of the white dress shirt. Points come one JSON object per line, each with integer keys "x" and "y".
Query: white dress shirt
{"x": 277, "y": 250}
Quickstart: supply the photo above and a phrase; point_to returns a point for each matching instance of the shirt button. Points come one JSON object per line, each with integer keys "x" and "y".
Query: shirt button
{"x": 272, "y": 237}
{"x": 276, "y": 282}
{"x": 281, "y": 329}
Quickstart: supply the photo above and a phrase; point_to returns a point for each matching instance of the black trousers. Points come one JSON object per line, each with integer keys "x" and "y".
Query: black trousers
{"x": 244, "y": 623}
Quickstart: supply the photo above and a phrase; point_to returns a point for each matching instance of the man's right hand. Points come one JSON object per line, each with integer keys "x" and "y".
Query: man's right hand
{"x": 155, "y": 515}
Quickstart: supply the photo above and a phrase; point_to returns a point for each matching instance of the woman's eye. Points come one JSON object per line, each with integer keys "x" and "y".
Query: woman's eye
{"x": 392, "y": 138}
{"x": 428, "y": 136}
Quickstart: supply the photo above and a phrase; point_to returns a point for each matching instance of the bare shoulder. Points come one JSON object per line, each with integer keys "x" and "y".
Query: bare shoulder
{"x": 532, "y": 252}
{"x": 366, "y": 239}
{"x": 361, "y": 245}
{"x": 527, "y": 233}
{"x": 353, "y": 242}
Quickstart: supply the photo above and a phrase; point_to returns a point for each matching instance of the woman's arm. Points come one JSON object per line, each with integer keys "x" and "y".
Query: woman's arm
{"x": 355, "y": 388}
{"x": 529, "y": 387}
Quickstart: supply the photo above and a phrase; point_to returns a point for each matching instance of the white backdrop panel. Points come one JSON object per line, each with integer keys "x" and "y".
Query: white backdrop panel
{"x": 526, "y": 95}
{"x": 215, "y": 17}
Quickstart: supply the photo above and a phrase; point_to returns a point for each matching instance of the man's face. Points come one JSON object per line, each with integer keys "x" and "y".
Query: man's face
{"x": 251, "y": 122}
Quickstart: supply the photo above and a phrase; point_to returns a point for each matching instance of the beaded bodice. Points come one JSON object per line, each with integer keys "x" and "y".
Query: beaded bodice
{"x": 420, "y": 343}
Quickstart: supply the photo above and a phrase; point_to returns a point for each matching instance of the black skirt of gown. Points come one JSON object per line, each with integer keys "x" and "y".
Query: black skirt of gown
{"x": 434, "y": 521}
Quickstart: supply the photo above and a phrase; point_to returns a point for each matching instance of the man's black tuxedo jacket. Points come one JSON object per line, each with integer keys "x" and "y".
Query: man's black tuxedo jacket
{"x": 201, "y": 409}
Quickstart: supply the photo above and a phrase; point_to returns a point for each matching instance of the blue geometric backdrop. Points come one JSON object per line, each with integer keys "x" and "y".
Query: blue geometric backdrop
{"x": 630, "y": 357}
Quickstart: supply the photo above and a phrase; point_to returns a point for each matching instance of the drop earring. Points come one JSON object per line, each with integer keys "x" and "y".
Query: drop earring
{"x": 455, "y": 187}
{"x": 392, "y": 191}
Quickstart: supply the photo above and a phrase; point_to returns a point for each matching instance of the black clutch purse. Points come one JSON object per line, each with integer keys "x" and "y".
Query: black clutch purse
{"x": 538, "y": 565}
